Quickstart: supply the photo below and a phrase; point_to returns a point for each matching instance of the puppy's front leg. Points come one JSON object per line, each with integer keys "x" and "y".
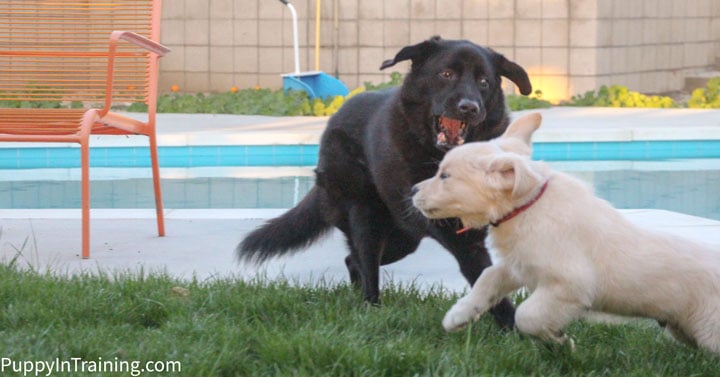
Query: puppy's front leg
{"x": 546, "y": 312}
{"x": 493, "y": 284}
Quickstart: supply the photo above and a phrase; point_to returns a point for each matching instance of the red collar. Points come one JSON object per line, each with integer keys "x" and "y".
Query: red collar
{"x": 522, "y": 208}
{"x": 514, "y": 212}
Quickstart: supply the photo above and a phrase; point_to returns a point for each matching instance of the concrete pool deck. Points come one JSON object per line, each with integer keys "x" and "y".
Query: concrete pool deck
{"x": 200, "y": 243}
{"x": 560, "y": 124}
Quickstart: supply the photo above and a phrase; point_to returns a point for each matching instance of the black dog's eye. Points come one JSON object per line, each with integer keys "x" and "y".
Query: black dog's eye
{"x": 483, "y": 83}
{"x": 447, "y": 74}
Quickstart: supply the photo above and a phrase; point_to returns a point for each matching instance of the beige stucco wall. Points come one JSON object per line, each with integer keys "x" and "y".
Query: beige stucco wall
{"x": 568, "y": 46}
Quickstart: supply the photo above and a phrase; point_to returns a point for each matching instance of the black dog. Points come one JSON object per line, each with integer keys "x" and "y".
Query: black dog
{"x": 379, "y": 144}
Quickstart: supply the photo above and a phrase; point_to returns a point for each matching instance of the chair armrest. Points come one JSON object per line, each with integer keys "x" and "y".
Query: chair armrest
{"x": 140, "y": 41}
{"x": 135, "y": 39}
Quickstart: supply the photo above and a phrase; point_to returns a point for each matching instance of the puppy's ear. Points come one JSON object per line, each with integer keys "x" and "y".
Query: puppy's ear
{"x": 512, "y": 71}
{"x": 417, "y": 53}
{"x": 511, "y": 172}
{"x": 501, "y": 172}
{"x": 523, "y": 128}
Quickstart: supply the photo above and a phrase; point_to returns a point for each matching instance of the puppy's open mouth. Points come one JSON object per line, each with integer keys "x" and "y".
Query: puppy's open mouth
{"x": 451, "y": 132}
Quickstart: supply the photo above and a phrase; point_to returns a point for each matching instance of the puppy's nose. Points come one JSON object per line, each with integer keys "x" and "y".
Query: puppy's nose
{"x": 468, "y": 107}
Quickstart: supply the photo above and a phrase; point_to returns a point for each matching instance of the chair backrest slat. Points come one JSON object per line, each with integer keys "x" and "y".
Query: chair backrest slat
{"x": 56, "y": 50}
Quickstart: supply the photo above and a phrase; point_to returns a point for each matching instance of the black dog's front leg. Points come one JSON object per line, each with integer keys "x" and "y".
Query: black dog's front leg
{"x": 469, "y": 250}
{"x": 368, "y": 233}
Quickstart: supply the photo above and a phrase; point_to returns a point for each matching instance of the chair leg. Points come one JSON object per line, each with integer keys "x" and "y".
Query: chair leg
{"x": 156, "y": 185}
{"x": 85, "y": 197}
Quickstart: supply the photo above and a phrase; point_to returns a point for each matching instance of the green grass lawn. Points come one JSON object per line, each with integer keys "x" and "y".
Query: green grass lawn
{"x": 235, "y": 328}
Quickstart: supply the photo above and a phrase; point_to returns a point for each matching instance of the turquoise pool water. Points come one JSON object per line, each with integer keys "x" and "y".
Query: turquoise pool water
{"x": 306, "y": 155}
{"x": 687, "y": 186}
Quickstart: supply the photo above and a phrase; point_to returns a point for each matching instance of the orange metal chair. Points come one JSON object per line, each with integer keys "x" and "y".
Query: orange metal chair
{"x": 59, "y": 59}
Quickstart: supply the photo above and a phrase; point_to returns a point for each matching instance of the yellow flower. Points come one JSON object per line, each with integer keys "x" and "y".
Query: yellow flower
{"x": 318, "y": 108}
{"x": 355, "y": 91}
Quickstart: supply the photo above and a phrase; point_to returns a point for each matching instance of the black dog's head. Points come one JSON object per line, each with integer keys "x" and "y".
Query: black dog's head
{"x": 454, "y": 90}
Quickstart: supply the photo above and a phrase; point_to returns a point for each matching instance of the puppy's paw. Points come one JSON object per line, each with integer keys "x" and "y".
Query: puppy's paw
{"x": 571, "y": 344}
{"x": 560, "y": 343}
{"x": 566, "y": 341}
{"x": 463, "y": 312}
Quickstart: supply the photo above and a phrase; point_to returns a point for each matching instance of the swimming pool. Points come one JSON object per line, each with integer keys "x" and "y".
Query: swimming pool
{"x": 690, "y": 186}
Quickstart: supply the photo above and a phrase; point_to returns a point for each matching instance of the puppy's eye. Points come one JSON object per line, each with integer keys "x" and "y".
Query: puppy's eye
{"x": 443, "y": 176}
{"x": 447, "y": 74}
{"x": 483, "y": 83}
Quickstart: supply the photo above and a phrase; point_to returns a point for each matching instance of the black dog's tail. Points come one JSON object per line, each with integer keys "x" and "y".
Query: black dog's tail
{"x": 296, "y": 229}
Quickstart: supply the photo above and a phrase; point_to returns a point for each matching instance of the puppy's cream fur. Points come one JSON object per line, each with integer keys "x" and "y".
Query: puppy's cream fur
{"x": 572, "y": 250}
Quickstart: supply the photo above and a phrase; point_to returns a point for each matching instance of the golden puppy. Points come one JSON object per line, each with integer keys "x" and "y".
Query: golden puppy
{"x": 572, "y": 250}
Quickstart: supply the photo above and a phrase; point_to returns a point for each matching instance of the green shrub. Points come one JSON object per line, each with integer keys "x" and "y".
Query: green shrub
{"x": 517, "y": 102}
{"x": 246, "y": 101}
{"x": 708, "y": 97}
{"x": 53, "y": 98}
{"x": 619, "y": 96}
{"x": 258, "y": 101}
{"x": 396, "y": 79}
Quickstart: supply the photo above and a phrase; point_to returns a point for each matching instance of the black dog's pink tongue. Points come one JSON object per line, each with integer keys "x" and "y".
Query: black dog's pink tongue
{"x": 450, "y": 131}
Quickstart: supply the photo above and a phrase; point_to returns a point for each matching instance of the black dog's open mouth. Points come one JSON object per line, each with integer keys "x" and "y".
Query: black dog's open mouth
{"x": 451, "y": 132}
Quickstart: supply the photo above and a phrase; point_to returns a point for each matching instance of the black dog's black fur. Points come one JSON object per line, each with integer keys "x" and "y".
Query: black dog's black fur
{"x": 378, "y": 145}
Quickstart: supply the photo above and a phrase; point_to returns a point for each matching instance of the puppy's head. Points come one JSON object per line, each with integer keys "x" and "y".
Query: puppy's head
{"x": 481, "y": 182}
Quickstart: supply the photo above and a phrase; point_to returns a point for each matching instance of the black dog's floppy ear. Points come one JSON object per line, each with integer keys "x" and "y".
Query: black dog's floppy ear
{"x": 416, "y": 53}
{"x": 514, "y": 72}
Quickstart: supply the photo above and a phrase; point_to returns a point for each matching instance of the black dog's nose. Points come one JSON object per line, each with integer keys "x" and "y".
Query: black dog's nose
{"x": 468, "y": 107}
